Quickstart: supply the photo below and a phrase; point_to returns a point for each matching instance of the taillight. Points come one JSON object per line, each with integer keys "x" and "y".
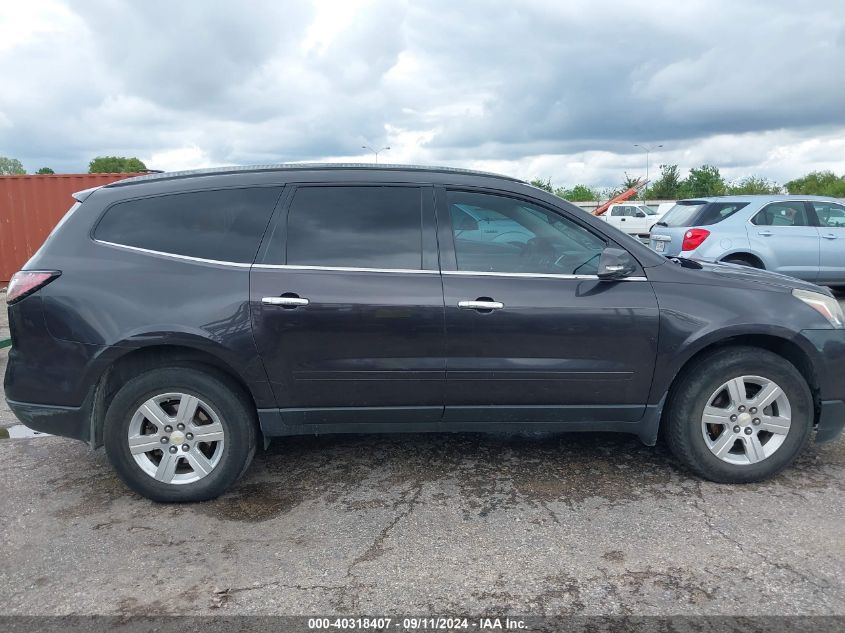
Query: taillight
{"x": 25, "y": 282}
{"x": 693, "y": 239}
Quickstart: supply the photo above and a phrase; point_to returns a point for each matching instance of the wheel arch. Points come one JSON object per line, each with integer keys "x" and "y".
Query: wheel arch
{"x": 124, "y": 363}
{"x": 786, "y": 348}
{"x": 745, "y": 254}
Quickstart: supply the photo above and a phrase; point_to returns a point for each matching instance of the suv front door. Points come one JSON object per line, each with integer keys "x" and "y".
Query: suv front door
{"x": 347, "y": 306}
{"x": 532, "y": 334}
{"x": 831, "y": 223}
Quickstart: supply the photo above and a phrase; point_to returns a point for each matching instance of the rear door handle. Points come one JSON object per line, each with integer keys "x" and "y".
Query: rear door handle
{"x": 829, "y": 236}
{"x": 290, "y": 301}
{"x": 481, "y": 304}
{"x": 764, "y": 233}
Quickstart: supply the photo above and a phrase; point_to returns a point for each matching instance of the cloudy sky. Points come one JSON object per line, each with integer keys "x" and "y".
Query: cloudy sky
{"x": 552, "y": 89}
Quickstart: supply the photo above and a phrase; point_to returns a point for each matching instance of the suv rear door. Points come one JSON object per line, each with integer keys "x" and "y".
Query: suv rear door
{"x": 347, "y": 305}
{"x": 532, "y": 335}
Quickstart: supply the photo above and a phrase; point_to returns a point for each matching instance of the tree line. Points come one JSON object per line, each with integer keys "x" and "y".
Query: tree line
{"x": 703, "y": 181}
{"x": 98, "y": 165}
{"x": 671, "y": 185}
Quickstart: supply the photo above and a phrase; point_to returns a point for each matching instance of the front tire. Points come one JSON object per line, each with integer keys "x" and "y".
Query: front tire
{"x": 739, "y": 415}
{"x": 180, "y": 434}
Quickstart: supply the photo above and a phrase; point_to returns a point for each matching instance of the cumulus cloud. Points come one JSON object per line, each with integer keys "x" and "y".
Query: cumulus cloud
{"x": 535, "y": 88}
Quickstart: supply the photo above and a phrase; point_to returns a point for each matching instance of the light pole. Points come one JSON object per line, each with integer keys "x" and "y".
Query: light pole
{"x": 647, "y": 150}
{"x": 375, "y": 151}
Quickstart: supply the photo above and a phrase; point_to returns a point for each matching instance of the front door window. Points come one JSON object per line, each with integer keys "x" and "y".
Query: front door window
{"x": 500, "y": 234}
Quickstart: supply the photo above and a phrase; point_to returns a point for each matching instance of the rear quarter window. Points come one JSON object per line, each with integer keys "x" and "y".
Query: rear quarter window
{"x": 223, "y": 225}
{"x": 715, "y": 212}
{"x": 683, "y": 213}
{"x": 700, "y": 213}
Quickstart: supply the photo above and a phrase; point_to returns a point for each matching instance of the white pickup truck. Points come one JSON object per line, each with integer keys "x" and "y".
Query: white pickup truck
{"x": 631, "y": 217}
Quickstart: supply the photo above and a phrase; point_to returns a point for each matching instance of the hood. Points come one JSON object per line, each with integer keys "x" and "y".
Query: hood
{"x": 737, "y": 272}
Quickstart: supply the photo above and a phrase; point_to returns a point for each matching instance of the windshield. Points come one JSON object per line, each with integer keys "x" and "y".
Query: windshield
{"x": 649, "y": 210}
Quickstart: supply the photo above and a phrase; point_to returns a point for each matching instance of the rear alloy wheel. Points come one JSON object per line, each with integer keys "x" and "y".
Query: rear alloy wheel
{"x": 176, "y": 438}
{"x": 180, "y": 433}
{"x": 740, "y": 414}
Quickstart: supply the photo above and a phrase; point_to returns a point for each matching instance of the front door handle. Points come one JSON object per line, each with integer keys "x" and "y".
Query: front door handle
{"x": 765, "y": 233}
{"x": 289, "y": 300}
{"x": 829, "y": 236}
{"x": 482, "y": 304}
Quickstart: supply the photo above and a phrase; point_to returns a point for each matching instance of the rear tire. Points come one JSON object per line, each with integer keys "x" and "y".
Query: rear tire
{"x": 180, "y": 434}
{"x": 743, "y": 261}
{"x": 714, "y": 433}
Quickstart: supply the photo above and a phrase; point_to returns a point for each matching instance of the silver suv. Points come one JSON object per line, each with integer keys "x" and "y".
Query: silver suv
{"x": 801, "y": 236}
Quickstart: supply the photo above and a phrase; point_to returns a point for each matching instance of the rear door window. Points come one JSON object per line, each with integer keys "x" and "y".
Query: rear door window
{"x": 222, "y": 225}
{"x": 789, "y": 213}
{"x": 356, "y": 227}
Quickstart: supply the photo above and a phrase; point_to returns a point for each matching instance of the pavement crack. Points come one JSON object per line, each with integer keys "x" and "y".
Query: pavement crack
{"x": 700, "y": 504}
{"x": 552, "y": 513}
{"x": 349, "y": 597}
{"x": 221, "y": 596}
{"x": 376, "y": 548}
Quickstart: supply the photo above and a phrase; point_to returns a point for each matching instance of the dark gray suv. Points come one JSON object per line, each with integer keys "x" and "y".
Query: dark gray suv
{"x": 179, "y": 319}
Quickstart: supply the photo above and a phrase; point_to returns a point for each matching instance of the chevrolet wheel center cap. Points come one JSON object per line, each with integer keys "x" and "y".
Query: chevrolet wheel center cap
{"x": 177, "y": 437}
{"x": 742, "y": 420}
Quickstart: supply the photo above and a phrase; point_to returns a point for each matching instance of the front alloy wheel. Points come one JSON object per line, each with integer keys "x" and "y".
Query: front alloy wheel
{"x": 739, "y": 414}
{"x": 747, "y": 420}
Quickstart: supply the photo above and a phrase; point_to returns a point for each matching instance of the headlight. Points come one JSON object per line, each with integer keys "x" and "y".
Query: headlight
{"x": 828, "y": 307}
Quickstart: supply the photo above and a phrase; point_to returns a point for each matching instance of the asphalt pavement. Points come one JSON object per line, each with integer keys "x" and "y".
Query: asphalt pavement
{"x": 424, "y": 524}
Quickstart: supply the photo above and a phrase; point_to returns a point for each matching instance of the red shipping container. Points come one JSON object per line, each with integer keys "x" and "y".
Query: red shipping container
{"x": 30, "y": 206}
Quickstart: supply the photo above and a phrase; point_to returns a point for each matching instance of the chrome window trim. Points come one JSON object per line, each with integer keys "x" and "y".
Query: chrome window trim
{"x": 186, "y": 258}
{"x": 413, "y": 271}
{"x": 348, "y": 269}
{"x": 477, "y": 273}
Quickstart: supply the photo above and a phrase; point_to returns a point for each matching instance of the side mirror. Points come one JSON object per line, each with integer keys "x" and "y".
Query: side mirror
{"x": 615, "y": 263}
{"x": 640, "y": 214}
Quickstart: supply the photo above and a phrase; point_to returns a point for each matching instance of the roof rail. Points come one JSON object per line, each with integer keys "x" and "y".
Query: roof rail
{"x": 301, "y": 166}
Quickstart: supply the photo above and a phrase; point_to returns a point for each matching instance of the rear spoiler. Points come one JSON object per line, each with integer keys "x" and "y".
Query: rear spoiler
{"x": 80, "y": 196}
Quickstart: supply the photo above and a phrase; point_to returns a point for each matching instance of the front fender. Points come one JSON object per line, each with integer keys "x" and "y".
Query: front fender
{"x": 673, "y": 357}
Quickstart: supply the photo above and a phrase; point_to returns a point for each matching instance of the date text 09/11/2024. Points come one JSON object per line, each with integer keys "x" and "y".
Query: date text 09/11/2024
{"x": 416, "y": 624}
